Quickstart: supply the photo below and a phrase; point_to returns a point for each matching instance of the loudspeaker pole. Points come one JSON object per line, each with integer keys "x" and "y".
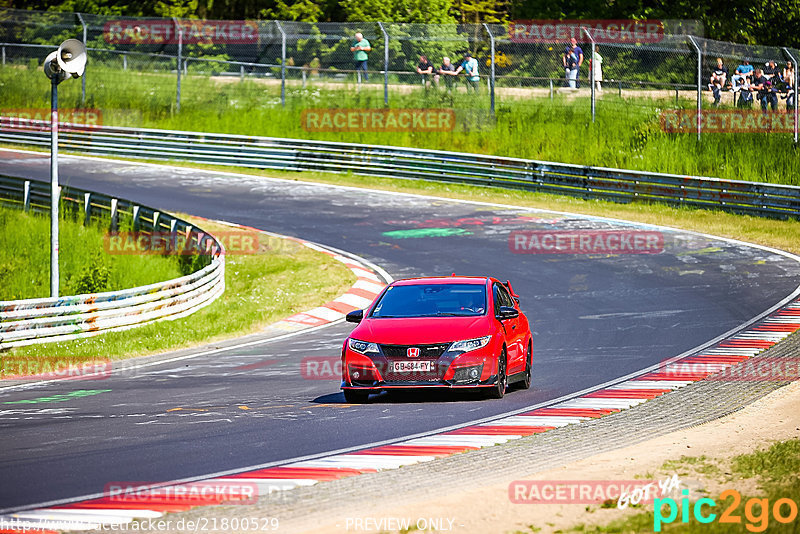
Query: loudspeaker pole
{"x": 54, "y": 192}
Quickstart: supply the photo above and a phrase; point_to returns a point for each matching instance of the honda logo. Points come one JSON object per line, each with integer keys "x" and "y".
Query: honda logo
{"x": 412, "y": 352}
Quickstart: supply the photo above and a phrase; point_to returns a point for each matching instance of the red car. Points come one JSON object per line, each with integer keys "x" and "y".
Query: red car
{"x": 446, "y": 332}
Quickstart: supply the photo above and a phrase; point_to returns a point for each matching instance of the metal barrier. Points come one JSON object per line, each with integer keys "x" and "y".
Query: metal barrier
{"x": 30, "y": 321}
{"x": 762, "y": 199}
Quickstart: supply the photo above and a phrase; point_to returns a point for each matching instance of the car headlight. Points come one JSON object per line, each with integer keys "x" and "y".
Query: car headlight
{"x": 363, "y": 347}
{"x": 469, "y": 344}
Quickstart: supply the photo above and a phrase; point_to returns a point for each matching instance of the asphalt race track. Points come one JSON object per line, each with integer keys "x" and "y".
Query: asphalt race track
{"x": 595, "y": 318}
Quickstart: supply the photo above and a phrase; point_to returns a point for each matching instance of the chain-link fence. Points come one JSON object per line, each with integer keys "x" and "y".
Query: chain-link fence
{"x": 287, "y": 63}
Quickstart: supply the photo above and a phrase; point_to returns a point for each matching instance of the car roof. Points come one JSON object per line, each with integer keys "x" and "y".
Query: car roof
{"x": 476, "y": 280}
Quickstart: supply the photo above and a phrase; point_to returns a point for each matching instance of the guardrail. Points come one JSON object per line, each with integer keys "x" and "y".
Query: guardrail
{"x": 762, "y": 199}
{"x": 30, "y": 321}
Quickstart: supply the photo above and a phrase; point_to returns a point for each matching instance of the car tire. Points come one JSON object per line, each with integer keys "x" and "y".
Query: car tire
{"x": 499, "y": 390}
{"x": 525, "y": 383}
{"x": 352, "y": 396}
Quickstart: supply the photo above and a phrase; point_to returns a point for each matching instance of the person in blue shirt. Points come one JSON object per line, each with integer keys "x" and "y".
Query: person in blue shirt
{"x": 742, "y": 73}
{"x": 470, "y": 68}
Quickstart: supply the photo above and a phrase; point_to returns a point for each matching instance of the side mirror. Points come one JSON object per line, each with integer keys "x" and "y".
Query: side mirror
{"x": 355, "y": 316}
{"x": 507, "y": 312}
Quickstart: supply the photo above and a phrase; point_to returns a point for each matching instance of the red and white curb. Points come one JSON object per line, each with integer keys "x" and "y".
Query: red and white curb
{"x": 674, "y": 375}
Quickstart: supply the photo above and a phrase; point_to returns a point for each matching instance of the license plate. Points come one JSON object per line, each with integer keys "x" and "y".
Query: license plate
{"x": 409, "y": 367}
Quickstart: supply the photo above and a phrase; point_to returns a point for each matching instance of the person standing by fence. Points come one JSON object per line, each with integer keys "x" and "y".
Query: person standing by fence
{"x": 597, "y": 69}
{"x": 470, "y": 68}
{"x": 570, "y": 62}
{"x": 360, "y": 48}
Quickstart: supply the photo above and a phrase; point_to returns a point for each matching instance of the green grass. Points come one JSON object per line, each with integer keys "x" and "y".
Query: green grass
{"x": 282, "y": 279}
{"x": 84, "y": 264}
{"x": 627, "y": 132}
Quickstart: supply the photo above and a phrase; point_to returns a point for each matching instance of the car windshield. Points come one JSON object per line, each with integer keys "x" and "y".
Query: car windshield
{"x": 432, "y": 300}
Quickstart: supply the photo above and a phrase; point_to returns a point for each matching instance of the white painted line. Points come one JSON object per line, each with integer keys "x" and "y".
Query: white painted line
{"x": 121, "y": 512}
{"x": 270, "y": 485}
{"x": 651, "y": 384}
{"x": 78, "y": 516}
{"x": 325, "y": 314}
{"x": 365, "y": 461}
{"x": 363, "y": 273}
{"x": 372, "y": 287}
{"x": 462, "y": 440}
{"x": 735, "y": 352}
{"x": 784, "y": 320}
{"x": 353, "y": 300}
{"x": 599, "y": 404}
{"x": 539, "y": 420}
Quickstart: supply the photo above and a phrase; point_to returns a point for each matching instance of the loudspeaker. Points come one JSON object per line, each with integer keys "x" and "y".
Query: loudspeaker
{"x": 71, "y": 57}
{"x": 52, "y": 69}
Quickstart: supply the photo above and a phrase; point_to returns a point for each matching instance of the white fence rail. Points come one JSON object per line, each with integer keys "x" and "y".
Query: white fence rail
{"x": 30, "y": 321}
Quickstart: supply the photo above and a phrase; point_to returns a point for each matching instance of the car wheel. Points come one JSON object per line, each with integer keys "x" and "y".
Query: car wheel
{"x": 352, "y": 396}
{"x": 525, "y": 383}
{"x": 499, "y": 390}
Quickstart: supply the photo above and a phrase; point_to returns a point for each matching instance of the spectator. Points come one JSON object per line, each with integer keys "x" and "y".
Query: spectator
{"x": 765, "y": 93}
{"x": 771, "y": 69}
{"x": 470, "y": 68}
{"x": 719, "y": 77}
{"x": 742, "y": 74}
{"x": 578, "y": 51}
{"x": 448, "y": 71}
{"x": 424, "y": 69}
{"x": 597, "y": 69}
{"x": 570, "y": 61}
{"x": 788, "y": 80}
{"x": 360, "y": 48}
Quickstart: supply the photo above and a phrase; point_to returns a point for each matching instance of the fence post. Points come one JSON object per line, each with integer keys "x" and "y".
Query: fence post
{"x": 179, "y": 29}
{"x": 283, "y": 63}
{"x": 4, "y": 56}
{"x": 551, "y": 88}
{"x": 26, "y": 196}
{"x": 492, "y": 72}
{"x": 699, "y": 84}
{"x": 794, "y": 88}
{"x": 124, "y": 61}
{"x": 591, "y": 70}
{"x": 87, "y": 208}
{"x": 83, "y": 78}
{"x": 385, "y": 64}
{"x": 114, "y": 203}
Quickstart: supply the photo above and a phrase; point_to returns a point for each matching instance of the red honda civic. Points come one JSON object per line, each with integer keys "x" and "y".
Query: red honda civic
{"x": 446, "y": 332}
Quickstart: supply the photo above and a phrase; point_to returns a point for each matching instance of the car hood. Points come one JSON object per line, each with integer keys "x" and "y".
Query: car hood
{"x": 421, "y": 330}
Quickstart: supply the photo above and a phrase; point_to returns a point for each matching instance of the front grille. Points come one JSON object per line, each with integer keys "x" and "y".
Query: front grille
{"x": 426, "y": 352}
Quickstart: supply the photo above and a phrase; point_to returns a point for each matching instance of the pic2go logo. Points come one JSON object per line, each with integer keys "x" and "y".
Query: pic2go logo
{"x": 756, "y": 511}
